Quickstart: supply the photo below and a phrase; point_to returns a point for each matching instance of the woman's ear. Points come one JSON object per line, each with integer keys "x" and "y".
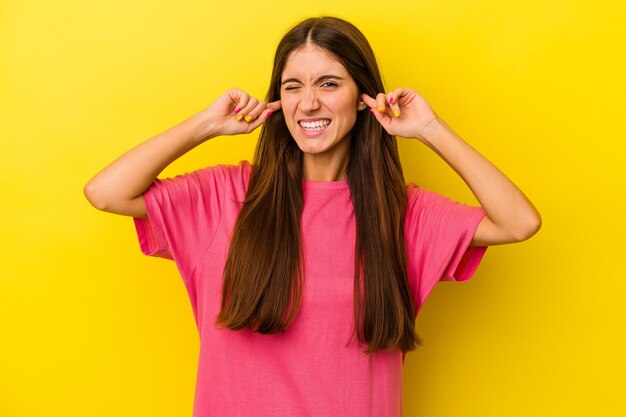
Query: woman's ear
{"x": 362, "y": 105}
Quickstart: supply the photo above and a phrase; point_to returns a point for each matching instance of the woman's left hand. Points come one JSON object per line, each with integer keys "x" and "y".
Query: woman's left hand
{"x": 402, "y": 112}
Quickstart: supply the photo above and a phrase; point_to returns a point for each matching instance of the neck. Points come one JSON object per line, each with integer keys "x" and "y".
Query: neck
{"x": 320, "y": 167}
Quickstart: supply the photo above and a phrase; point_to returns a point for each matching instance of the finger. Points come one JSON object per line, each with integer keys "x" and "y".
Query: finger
{"x": 393, "y": 104}
{"x": 239, "y": 97}
{"x": 252, "y": 103}
{"x": 381, "y": 101}
{"x": 265, "y": 114}
{"x": 274, "y": 105}
{"x": 255, "y": 112}
{"x": 371, "y": 102}
{"x": 394, "y": 98}
{"x": 382, "y": 118}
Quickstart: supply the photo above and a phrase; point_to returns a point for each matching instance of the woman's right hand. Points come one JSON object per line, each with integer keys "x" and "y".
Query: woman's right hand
{"x": 233, "y": 113}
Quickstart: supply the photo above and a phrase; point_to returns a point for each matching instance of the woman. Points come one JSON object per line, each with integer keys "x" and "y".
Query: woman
{"x": 307, "y": 268}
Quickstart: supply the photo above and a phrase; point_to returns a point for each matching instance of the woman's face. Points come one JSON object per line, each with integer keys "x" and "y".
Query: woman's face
{"x": 319, "y": 101}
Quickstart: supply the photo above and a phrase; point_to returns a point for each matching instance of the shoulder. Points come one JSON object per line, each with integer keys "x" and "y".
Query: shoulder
{"x": 424, "y": 196}
{"x": 412, "y": 190}
{"x": 417, "y": 196}
{"x": 243, "y": 167}
{"x": 427, "y": 205}
{"x": 234, "y": 174}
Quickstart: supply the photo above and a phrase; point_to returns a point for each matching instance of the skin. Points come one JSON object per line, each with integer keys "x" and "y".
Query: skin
{"x": 510, "y": 216}
{"x": 304, "y": 94}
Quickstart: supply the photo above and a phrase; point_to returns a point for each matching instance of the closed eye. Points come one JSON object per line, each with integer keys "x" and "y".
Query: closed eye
{"x": 328, "y": 83}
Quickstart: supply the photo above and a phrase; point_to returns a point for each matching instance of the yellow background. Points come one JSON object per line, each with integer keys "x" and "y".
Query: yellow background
{"x": 91, "y": 327}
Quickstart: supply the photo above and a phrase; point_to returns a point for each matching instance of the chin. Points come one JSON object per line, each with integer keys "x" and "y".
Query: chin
{"x": 312, "y": 150}
{"x": 315, "y": 146}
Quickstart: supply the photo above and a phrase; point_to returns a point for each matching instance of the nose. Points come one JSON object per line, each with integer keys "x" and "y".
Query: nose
{"x": 309, "y": 101}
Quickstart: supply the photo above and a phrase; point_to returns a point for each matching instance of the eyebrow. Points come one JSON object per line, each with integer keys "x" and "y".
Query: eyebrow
{"x": 323, "y": 77}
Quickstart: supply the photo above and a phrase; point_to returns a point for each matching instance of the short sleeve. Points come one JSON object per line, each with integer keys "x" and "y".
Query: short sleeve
{"x": 438, "y": 234}
{"x": 183, "y": 215}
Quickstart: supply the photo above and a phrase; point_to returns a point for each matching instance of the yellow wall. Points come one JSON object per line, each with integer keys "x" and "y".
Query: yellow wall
{"x": 91, "y": 327}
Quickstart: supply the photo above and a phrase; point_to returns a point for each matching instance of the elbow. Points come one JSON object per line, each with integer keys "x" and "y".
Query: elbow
{"x": 529, "y": 230}
{"x": 92, "y": 196}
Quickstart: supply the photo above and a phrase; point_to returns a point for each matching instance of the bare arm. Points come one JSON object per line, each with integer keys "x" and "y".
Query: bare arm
{"x": 510, "y": 215}
{"x": 119, "y": 187}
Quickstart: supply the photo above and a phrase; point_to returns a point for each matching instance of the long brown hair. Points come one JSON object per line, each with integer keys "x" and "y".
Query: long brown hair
{"x": 263, "y": 273}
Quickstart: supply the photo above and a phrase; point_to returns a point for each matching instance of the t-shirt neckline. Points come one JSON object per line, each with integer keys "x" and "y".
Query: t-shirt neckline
{"x": 326, "y": 185}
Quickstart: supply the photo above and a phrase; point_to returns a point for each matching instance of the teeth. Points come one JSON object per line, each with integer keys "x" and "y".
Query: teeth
{"x": 318, "y": 125}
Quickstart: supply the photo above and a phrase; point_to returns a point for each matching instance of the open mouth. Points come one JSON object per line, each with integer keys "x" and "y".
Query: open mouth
{"x": 316, "y": 126}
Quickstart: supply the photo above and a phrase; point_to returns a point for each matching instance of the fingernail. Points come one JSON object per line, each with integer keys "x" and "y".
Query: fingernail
{"x": 381, "y": 108}
{"x": 269, "y": 113}
{"x": 239, "y": 117}
{"x": 391, "y": 100}
{"x": 237, "y": 109}
{"x": 396, "y": 113}
{"x": 248, "y": 118}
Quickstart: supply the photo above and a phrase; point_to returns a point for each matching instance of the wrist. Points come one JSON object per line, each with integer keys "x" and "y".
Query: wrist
{"x": 430, "y": 131}
{"x": 200, "y": 129}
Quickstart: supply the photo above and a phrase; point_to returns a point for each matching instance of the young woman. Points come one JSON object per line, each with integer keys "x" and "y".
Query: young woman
{"x": 307, "y": 268}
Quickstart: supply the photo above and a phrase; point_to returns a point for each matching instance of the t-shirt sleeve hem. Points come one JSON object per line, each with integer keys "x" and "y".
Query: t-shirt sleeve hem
{"x": 463, "y": 266}
{"x": 151, "y": 239}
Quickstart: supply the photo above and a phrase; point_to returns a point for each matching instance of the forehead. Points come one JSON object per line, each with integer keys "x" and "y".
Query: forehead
{"x": 310, "y": 62}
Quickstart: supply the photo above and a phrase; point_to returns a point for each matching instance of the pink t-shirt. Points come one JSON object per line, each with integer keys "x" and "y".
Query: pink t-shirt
{"x": 307, "y": 371}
